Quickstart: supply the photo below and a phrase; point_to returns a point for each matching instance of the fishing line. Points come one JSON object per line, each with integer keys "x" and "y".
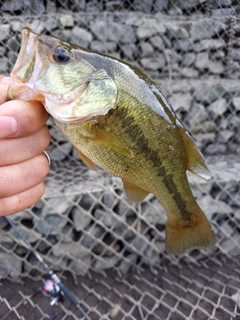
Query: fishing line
{"x": 54, "y": 287}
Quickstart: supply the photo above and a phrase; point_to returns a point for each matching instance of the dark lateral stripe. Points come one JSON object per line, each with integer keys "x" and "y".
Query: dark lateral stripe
{"x": 136, "y": 134}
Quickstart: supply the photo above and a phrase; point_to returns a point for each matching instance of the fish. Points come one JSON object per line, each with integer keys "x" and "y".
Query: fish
{"x": 118, "y": 119}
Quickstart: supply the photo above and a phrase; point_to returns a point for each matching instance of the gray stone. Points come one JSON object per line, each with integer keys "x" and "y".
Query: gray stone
{"x": 172, "y": 56}
{"x": 98, "y": 46}
{"x": 13, "y": 44}
{"x": 225, "y": 136}
{"x": 216, "y": 67}
{"x": 181, "y": 101}
{"x": 12, "y": 57}
{"x": 52, "y": 224}
{"x": 81, "y": 267}
{"x": 126, "y": 208}
{"x": 204, "y": 94}
{"x": 78, "y": 5}
{"x": 160, "y": 5}
{"x": 37, "y": 26}
{"x": 4, "y": 65}
{"x": 206, "y": 29}
{"x": 81, "y": 36}
{"x": 177, "y": 31}
{"x": 188, "y": 59}
{"x": 2, "y": 51}
{"x": 152, "y": 256}
{"x": 4, "y": 32}
{"x": 29, "y": 234}
{"x": 100, "y": 29}
{"x": 3, "y": 223}
{"x": 129, "y": 50}
{"x": 57, "y": 134}
{"x": 128, "y": 262}
{"x": 106, "y": 262}
{"x": 61, "y": 151}
{"x": 81, "y": 218}
{"x": 202, "y": 60}
{"x": 126, "y": 34}
{"x": 105, "y": 216}
{"x": 10, "y": 265}
{"x": 146, "y": 49}
{"x": 157, "y": 42}
{"x": 92, "y": 233}
{"x": 16, "y": 26}
{"x": 213, "y": 149}
{"x": 231, "y": 246}
{"x": 218, "y": 107}
{"x": 59, "y": 204}
{"x": 111, "y": 46}
{"x": 218, "y": 55}
{"x": 236, "y": 103}
{"x": 143, "y": 6}
{"x": 108, "y": 199}
{"x": 155, "y": 213}
{"x": 66, "y": 20}
{"x": 149, "y": 28}
{"x": 189, "y": 72}
{"x": 187, "y": 4}
{"x": 203, "y": 137}
{"x": 197, "y": 114}
{"x": 139, "y": 243}
{"x": 12, "y": 5}
{"x": 224, "y": 12}
{"x": 184, "y": 45}
{"x": 154, "y": 63}
{"x": 209, "y": 44}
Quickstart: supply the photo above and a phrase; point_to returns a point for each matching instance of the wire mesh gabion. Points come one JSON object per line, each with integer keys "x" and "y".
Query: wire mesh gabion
{"x": 111, "y": 252}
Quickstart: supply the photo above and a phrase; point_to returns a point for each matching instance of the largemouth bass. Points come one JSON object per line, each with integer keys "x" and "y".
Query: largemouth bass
{"x": 118, "y": 119}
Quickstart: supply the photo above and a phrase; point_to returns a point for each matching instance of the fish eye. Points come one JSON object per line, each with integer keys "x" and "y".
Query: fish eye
{"x": 61, "y": 54}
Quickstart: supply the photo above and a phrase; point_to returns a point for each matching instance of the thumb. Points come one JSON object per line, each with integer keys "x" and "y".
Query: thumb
{"x": 4, "y": 84}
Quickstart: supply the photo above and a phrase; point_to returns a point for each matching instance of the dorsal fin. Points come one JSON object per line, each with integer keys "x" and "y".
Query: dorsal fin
{"x": 133, "y": 192}
{"x": 196, "y": 163}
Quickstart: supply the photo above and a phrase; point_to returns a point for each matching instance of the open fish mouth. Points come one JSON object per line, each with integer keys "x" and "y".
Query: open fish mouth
{"x": 25, "y": 64}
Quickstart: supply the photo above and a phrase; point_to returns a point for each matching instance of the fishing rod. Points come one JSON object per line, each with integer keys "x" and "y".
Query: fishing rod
{"x": 54, "y": 287}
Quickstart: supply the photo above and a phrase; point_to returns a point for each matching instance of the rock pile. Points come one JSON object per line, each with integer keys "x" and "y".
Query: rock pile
{"x": 204, "y": 52}
{"x": 81, "y": 223}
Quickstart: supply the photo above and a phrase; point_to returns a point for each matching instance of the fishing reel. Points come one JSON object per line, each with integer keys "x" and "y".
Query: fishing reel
{"x": 53, "y": 289}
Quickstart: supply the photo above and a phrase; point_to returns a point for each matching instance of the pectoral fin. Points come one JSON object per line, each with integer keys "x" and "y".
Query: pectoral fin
{"x": 106, "y": 138}
{"x": 196, "y": 163}
{"x": 133, "y": 192}
{"x": 86, "y": 160}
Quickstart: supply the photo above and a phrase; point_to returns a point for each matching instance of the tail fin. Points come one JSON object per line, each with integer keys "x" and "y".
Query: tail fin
{"x": 196, "y": 232}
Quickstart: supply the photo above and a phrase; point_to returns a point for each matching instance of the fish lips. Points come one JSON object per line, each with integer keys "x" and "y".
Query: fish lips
{"x": 24, "y": 66}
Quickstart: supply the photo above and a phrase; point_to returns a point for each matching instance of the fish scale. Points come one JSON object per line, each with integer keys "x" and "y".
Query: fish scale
{"x": 118, "y": 119}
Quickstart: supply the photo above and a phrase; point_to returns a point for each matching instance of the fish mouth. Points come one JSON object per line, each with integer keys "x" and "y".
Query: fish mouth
{"x": 24, "y": 66}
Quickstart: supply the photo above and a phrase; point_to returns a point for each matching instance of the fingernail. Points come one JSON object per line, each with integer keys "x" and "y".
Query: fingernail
{"x": 8, "y": 126}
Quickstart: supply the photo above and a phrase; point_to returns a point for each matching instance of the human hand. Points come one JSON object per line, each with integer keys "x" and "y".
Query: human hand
{"x": 23, "y": 165}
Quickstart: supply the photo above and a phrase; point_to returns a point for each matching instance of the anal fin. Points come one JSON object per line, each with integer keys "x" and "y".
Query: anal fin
{"x": 86, "y": 160}
{"x": 196, "y": 163}
{"x": 133, "y": 192}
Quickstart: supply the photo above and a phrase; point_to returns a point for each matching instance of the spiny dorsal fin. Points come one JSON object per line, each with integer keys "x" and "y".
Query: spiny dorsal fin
{"x": 133, "y": 192}
{"x": 196, "y": 163}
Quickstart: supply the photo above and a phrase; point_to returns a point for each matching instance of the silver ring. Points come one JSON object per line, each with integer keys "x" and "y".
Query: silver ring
{"x": 47, "y": 155}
